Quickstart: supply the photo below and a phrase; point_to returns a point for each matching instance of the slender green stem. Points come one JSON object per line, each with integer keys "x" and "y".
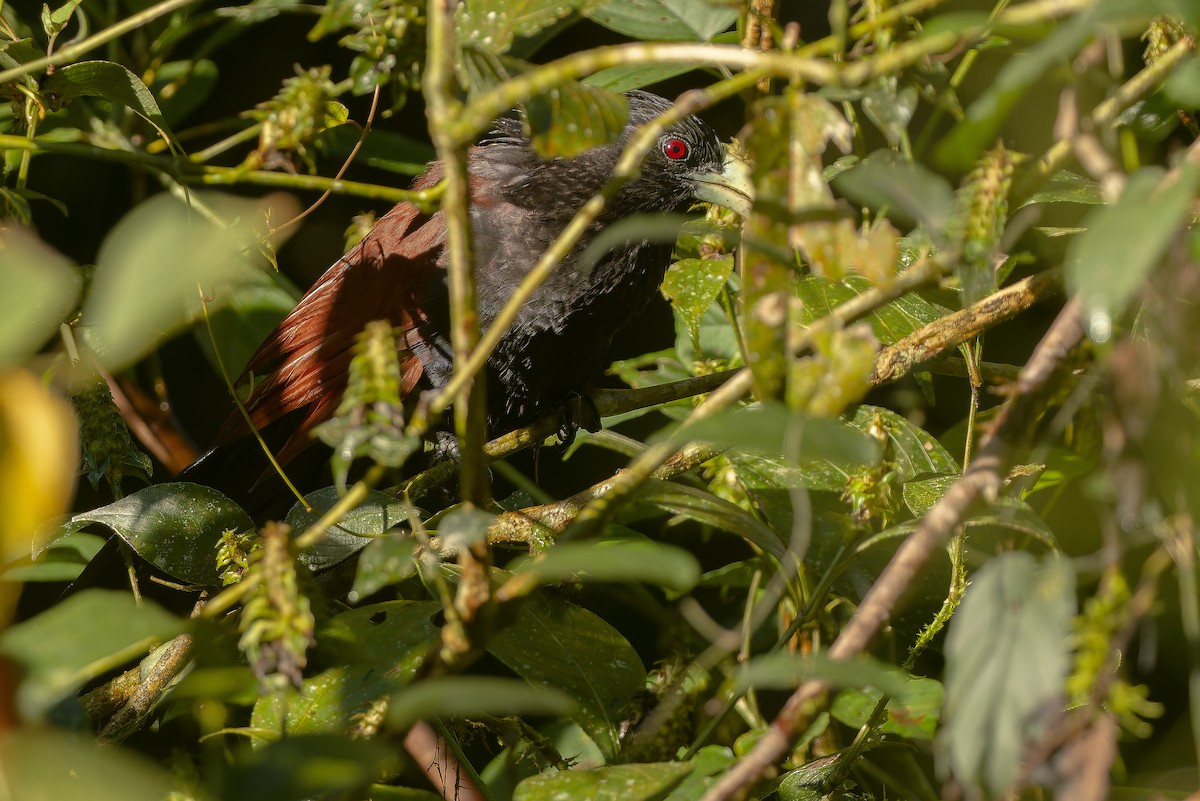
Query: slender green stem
{"x": 72, "y": 52}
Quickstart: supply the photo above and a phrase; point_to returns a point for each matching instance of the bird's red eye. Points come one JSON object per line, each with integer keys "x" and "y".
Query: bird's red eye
{"x": 675, "y": 148}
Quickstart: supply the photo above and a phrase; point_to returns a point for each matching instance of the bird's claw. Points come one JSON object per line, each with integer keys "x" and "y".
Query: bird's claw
{"x": 578, "y": 412}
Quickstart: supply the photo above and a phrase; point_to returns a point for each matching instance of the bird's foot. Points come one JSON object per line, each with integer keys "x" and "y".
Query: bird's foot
{"x": 578, "y": 412}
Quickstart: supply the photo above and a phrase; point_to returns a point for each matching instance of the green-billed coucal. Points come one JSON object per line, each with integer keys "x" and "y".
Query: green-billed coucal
{"x": 519, "y": 204}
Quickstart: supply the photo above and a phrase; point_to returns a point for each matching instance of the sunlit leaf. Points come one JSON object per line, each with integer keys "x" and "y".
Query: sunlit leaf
{"x": 692, "y": 285}
{"x": 174, "y": 527}
{"x": 110, "y": 81}
{"x": 493, "y": 24}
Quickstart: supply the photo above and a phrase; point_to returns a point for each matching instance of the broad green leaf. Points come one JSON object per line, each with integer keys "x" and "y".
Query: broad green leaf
{"x": 1007, "y": 656}
{"x": 891, "y": 323}
{"x": 704, "y": 507}
{"x": 785, "y": 670}
{"x": 650, "y": 781}
{"x": 41, "y": 286}
{"x": 1067, "y": 187}
{"x": 913, "y": 712}
{"x": 708, "y": 763}
{"x": 54, "y": 765}
{"x": 311, "y": 766}
{"x": 1125, "y": 241}
{"x": 908, "y": 192}
{"x": 635, "y": 76}
{"x": 62, "y": 562}
{"x": 112, "y": 82}
{"x": 614, "y": 560}
{"x": 562, "y": 122}
{"x": 559, "y": 646}
{"x": 385, "y": 561}
{"x": 692, "y": 20}
{"x": 493, "y": 24}
{"x": 809, "y": 782}
{"x": 910, "y": 450}
{"x": 356, "y": 529}
{"x": 79, "y": 639}
{"x": 153, "y": 264}
{"x": 766, "y": 427}
{"x": 376, "y": 648}
{"x": 472, "y": 696}
{"x": 1005, "y": 512}
{"x": 692, "y": 285}
{"x": 174, "y": 527}
{"x": 574, "y": 118}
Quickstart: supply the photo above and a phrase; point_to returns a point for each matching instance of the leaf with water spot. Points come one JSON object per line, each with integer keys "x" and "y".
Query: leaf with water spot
{"x": 671, "y": 20}
{"x": 494, "y": 24}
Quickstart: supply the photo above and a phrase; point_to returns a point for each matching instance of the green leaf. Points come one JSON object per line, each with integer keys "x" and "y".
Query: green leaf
{"x": 41, "y": 286}
{"x": 384, "y": 562}
{"x": 63, "y": 561}
{"x": 646, "y": 782}
{"x": 670, "y": 20}
{"x": 1067, "y": 187}
{"x": 377, "y": 514}
{"x": 692, "y": 285}
{"x": 909, "y": 192}
{"x": 1125, "y": 241}
{"x": 574, "y": 118}
{"x": 560, "y": 646}
{"x": 493, "y": 24}
{"x": 635, "y": 76}
{"x": 174, "y": 527}
{"x": 708, "y": 763}
{"x": 890, "y": 324}
{"x": 263, "y": 298}
{"x": 112, "y": 82}
{"x": 377, "y": 649}
{"x": 765, "y": 427}
{"x": 79, "y": 639}
{"x": 913, "y": 712}
{"x": 912, "y": 451}
{"x": 614, "y": 560}
{"x": 312, "y": 766}
{"x": 704, "y": 507}
{"x": 151, "y": 264}
{"x": 473, "y": 696}
{"x": 43, "y": 764}
{"x": 785, "y": 670}
{"x": 1007, "y": 656}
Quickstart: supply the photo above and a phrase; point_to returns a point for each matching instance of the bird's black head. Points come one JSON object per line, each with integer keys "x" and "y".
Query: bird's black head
{"x": 687, "y": 164}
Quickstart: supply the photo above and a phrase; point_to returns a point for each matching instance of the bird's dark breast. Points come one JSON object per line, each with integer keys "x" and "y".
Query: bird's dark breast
{"x": 558, "y": 343}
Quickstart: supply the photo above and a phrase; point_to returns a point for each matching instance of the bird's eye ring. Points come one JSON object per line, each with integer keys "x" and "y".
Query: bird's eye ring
{"x": 675, "y": 148}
